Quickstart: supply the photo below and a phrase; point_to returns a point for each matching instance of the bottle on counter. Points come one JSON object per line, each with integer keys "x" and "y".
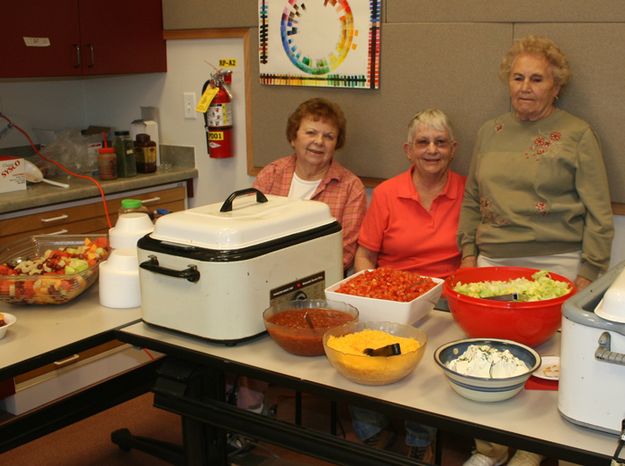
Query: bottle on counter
{"x": 119, "y": 284}
{"x": 107, "y": 163}
{"x": 125, "y": 151}
{"x": 134, "y": 206}
{"x": 145, "y": 151}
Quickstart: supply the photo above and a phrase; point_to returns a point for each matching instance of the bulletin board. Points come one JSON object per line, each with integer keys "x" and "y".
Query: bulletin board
{"x": 438, "y": 57}
{"x": 461, "y": 79}
{"x": 377, "y": 120}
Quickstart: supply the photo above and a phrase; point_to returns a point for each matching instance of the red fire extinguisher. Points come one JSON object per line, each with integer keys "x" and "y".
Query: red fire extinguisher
{"x": 218, "y": 117}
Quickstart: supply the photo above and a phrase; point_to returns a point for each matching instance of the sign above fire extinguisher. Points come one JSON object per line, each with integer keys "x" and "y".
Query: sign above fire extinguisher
{"x": 216, "y": 105}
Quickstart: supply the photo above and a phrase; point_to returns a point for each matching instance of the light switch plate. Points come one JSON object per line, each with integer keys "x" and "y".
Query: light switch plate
{"x": 189, "y": 106}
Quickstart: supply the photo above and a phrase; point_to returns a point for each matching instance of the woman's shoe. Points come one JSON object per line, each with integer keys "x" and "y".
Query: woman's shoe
{"x": 477, "y": 459}
{"x": 525, "y": 458}
{"x": 424, "y": 454}
{"x": 383, "y": 439}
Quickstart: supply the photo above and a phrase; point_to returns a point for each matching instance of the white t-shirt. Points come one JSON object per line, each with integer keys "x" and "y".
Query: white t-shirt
{"x": 302, "y": 189}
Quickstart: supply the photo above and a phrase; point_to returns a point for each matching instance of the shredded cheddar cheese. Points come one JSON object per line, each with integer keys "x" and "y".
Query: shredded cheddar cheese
{"x": 346, "y": 354}
{"x": 356, "y": 343}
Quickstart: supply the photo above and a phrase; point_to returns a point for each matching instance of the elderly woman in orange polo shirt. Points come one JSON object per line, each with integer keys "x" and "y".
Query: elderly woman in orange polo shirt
{"x": 412, "y": 221}
{"x": 411, "y": 224}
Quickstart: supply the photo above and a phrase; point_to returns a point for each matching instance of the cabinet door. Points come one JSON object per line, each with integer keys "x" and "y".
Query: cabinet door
{"x": 39, "y": 38}
{"x": 120, "y": 36}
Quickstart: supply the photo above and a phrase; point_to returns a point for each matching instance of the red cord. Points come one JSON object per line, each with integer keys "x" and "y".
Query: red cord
{"x": 62, "y": 167}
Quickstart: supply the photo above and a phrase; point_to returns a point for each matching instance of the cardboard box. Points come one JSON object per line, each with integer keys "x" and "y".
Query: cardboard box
{"x": 12, "y": 174}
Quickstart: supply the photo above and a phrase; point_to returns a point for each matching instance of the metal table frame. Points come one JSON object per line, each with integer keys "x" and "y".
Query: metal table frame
{"x": 206, "y": 447}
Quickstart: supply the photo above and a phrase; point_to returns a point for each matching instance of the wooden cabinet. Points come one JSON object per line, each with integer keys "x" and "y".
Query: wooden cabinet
{"x": 87, "y": 217}
{"x": 43, "y": 38}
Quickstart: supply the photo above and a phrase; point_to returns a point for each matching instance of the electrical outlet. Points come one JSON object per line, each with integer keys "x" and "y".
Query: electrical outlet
{"x": 189, "y": 106}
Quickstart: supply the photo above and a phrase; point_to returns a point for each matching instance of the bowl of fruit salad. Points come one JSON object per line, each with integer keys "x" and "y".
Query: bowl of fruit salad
{"x": 50, "y": 269}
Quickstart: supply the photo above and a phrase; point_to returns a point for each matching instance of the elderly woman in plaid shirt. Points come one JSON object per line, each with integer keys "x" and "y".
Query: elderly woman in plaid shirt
{"x": 315, "y": 130}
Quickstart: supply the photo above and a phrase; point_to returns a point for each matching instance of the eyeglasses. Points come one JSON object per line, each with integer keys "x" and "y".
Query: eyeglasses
{"x": 425, "y": 143}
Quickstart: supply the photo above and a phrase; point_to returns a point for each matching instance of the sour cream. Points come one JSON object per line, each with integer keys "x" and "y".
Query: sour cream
{"x": 489, "y": 362}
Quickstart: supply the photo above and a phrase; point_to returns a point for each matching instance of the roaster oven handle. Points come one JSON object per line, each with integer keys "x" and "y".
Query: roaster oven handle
{"x": 604, "y": 353}
{"x": 227, "y": 205}
{"x": 191, "y": 273}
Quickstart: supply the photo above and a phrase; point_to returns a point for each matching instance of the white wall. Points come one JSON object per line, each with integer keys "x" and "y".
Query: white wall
{"x": 116, "y": 101}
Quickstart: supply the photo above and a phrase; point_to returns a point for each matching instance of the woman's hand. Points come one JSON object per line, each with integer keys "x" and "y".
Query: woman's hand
{"x": 365, "y": 259}
{"x": 469, "y": 261}
{"x": 581, "y": 283}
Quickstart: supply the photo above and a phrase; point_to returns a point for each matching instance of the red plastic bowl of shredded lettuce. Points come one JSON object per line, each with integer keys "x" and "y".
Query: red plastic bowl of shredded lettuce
{"x": 532, "y": 318}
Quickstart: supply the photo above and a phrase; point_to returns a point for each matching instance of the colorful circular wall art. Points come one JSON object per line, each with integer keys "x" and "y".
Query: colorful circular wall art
{"x": 317, "y": 35}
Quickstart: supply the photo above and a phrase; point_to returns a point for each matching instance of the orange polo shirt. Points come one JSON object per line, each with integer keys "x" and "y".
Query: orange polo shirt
{"x": 405, "y": 235}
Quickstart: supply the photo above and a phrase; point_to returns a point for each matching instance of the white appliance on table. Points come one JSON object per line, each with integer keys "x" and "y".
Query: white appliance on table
{"x": 212, "y": 270}
{"x": 591, "y": 390}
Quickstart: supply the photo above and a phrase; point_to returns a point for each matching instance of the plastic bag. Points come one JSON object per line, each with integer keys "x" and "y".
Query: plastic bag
{"x": 75, "y": 151}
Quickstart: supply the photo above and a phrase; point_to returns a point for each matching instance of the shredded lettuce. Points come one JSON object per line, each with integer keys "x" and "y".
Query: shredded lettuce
{"x": 539, "y": 288}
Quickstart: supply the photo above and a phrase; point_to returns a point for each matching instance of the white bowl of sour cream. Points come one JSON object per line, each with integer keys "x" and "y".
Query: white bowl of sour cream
{"x": 487, "y": 369}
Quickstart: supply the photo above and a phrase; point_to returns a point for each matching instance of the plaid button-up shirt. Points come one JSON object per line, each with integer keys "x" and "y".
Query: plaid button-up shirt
{"x": 340, "y": 189}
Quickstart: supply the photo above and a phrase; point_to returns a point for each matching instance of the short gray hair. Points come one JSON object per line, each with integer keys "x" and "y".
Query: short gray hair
{"x": 430, "y": 118}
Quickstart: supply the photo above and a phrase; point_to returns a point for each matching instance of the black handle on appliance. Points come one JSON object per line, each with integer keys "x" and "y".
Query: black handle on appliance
{"x": 191, "y": 274}
{"x": 227, "y": 205}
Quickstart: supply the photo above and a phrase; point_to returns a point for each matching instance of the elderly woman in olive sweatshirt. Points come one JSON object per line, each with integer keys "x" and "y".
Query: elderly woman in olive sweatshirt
{"x": 536, "y": 194}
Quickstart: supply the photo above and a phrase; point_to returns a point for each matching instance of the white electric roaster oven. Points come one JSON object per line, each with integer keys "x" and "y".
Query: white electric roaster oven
{"x": 211, "y": 271}
{"x": 591, "y": 390}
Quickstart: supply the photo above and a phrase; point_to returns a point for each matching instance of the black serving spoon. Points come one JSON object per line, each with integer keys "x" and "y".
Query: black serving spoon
{"x": 389, "y": 350}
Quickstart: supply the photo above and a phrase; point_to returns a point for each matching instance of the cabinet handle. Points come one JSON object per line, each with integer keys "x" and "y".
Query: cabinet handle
{"x": 151, "y": 200}
{"x": 60, "y": 232}
{"x": 77, "y": 50}
{"x": 91, "y": 56}
{"x": 54, "y": 219}
{"x": 67, "y": 360}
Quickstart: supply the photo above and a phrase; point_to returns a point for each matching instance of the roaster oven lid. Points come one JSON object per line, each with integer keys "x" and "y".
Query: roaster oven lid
{"x": 248, "y": 223}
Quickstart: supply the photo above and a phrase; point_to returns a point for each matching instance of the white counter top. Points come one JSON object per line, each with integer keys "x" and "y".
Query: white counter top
{"x": 532, "y": 413}
{"x": 44, "y": 329}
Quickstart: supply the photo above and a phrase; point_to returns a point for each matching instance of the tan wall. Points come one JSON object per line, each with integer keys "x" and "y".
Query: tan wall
{"x": 442, "y": 54}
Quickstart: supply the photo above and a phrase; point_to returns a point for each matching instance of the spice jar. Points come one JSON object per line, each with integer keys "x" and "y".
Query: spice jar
{"x": 125, "y": 151}
{"x": 107, "y": 163}
{"x": 145, "y": 151}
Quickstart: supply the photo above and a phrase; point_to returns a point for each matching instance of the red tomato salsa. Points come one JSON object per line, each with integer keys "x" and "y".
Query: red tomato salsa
{"x": 384, "y": 283}
{"x": 292, "y": 331}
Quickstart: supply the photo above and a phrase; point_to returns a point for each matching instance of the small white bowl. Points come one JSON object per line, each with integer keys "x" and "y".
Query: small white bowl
{"x": 10, "y": 319}
{"x": 134, "y": 221}
{"x": 129, "y": 229}
{"x": 612, "y": 305}
{"x": 486, "y": 389}
{"x": 373, "y": 309}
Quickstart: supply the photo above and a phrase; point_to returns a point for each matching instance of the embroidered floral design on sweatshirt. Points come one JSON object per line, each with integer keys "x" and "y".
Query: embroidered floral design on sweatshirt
{"x": 541, "y": 207}
{"x": 489, "y": 215}
{"x": 498, "y": 127}
{"x": 541, "y": 145}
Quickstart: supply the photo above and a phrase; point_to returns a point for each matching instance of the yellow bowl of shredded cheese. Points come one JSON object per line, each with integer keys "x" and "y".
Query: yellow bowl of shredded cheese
{"x": 345, "y": 348}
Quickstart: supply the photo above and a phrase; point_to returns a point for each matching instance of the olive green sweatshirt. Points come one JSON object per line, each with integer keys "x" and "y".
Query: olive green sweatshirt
{"x": 537, "y": 188}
